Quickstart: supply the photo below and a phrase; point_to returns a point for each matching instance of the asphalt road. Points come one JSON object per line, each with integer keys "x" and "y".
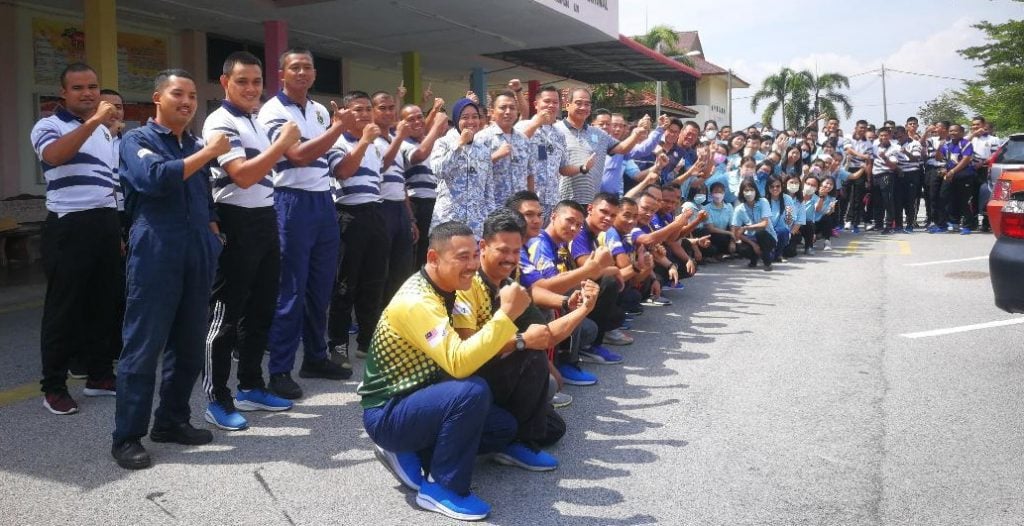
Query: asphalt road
{"x": 791, "y": 397}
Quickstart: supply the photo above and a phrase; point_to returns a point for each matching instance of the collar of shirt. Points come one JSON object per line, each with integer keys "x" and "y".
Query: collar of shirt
{"x": 160, "y": 128}
{"x": 492, "y": 289}
{"x": 448, "y": 297}
{"x": 234, "y": 110}
{"x": 66, "y": 116}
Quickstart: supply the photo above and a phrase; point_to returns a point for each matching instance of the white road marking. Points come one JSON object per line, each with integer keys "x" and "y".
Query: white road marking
{"x": 979, "y": 258}
{"x": 964, "y": 328}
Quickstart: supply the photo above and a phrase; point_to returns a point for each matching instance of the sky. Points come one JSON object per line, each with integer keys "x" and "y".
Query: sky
{"x": 757, "y": 38}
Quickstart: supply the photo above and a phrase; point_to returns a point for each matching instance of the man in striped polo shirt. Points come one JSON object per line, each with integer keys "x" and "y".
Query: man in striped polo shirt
{"x": 245, "y": 289}
{"x": 356, "y": 166}
{"x": 81, "y": 239}
{"x": 420, "y": 181}
{"x": 307, "y": 226}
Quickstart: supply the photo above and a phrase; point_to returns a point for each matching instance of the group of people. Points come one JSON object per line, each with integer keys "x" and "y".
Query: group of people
{"x": 478, "y": 254}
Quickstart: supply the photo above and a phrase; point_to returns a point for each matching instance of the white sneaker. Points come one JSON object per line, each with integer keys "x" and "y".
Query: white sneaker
{"x": 561, "y": 399}
{"x": 848, "y": 226}
{"x": 828, "y": 245}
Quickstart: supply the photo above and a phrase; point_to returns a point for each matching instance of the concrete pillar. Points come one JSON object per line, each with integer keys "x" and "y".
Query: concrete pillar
{"x": 101, "y": 39}
{"x": 193, "y": 60}
{"x": 275, "y": 37}
{"x": 11, "y": 138}
{"x": 478, "y": 83}
{"x": 413, "y": 78}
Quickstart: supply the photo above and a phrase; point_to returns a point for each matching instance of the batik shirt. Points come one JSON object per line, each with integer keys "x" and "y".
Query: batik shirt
{"x": 512, "y": 170}
{"x": 549, "y": 157}
{"x": 465, "y": 184}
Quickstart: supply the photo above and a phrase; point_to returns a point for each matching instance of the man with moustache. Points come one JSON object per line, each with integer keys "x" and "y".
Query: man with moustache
{"x": 175, "y": 244}
{"x": 511, "y": 156}
{"x": 81, "y": 240}
{"x": 551, "y": 154}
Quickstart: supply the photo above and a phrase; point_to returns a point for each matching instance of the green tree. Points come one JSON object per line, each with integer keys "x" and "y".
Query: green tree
{"x": 824, "y": 92}
{"x": 660, "y": 38}
{"x": 947, "y": 106}
{"x": 784, "y": 93}
{"x": 999, "y": 95}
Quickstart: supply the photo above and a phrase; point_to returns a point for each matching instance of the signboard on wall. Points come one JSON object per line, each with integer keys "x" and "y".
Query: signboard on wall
{"x": 55, "y": 44}
{"x": 600, "y": 14}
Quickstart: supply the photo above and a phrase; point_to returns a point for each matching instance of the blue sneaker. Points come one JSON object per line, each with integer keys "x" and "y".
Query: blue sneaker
{"x": 406, "y": 467}
{"x": 936, "y": 229}
{"x": 856, "y": 229}
{"x": 599, "y": 354}
{"x": 221, "y": 417}
{"x": 573, "y": 375}
{"x": 434, "y": 497}
{"x": 908, "y": 230}
{"x": 522, "y": 456}
{"x": 965, "y": 231}
{"x": 260, "y": 400}
{"x": 627, "y": 324}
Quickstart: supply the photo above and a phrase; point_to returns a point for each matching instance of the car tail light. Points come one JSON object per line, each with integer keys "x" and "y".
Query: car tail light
{"x": 1012, "y": 219}
{"x": 1001, "y": 192}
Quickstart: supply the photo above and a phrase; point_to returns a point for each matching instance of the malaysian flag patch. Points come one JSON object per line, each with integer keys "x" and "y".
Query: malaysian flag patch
{"x": 436, "y": 335}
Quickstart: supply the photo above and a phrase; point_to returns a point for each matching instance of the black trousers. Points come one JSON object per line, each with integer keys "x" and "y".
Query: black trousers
{"x": 401, "y": 257}
{"x": 607, "y": 313}
{"x": 361, "y": 273}
{"x": 82, "y": 262}
{"x": 956, "y": 195}
{"x": 939, "y": 206}
{"x": 855, "y": 207}
{"x": 883, "y": 200}
{"x": 243, "y": 300}
{"x": 823, "y": 227}
{"x": 908, "y": 195}
{"x": 519, "y": 385}
{"x": 766, "y": 243}
{"x": 807, "y": 234}
{"x": 423, "y": 210}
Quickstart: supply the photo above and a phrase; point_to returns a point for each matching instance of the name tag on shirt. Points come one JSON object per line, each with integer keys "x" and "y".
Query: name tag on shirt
{"x": 542, "y": 152}
{"x": 593, "y": 138}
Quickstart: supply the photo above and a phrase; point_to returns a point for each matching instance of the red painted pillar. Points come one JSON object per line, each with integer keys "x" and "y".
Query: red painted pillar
{"x": 532, "y": 87}
{"x": 275, "y": 37}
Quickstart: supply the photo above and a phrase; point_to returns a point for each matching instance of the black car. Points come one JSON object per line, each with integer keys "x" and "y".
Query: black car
{"x": 1006, "y": 262}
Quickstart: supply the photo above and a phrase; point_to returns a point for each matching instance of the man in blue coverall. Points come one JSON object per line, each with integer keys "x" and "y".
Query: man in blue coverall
{"x": 173, "y": 249}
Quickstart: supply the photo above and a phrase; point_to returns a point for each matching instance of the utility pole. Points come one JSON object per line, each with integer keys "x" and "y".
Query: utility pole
{"x": 729, "y": 92}
{"x": 885, "y": 105}
{"x": 657, "y": 99}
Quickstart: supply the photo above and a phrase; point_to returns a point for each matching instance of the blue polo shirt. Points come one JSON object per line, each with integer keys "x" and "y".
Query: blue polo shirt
{"x": 744, "y": 215}
{"x": 547, "y": 259}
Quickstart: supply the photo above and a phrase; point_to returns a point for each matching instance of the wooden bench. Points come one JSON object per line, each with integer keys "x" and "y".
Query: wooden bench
{"x": 29, "y": 214}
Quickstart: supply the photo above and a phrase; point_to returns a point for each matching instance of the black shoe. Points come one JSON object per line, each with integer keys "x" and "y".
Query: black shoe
{"x": 752, "y": 264}
{"x": 768, "y": 267}
{"x": 339, "y": 355}
{"x": 182, "y": 433}
{"x": 324, "y": 369}
{"x": 131, "y": 455}
{"x": 282, "y": 385}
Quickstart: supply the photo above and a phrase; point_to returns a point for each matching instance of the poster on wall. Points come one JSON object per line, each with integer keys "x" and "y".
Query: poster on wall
{"x": 56, "y": 44}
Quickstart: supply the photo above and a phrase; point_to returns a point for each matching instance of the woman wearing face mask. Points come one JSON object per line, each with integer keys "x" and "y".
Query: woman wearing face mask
{"x": 761, "y": 175}
{"x": 737, "y": 142}
{"x": 806, "y": 203}
{"x": 751, "y": 225}
{"x": 782, "y": 209}
{"x": 792, "y": 162}
{"x": 824, "y": 206}
{"x": 717, "y": 224}
{"x": 794, "y": 191}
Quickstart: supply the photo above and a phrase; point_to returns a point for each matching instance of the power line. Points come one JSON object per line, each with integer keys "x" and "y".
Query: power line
{"x": 925, "y": 75}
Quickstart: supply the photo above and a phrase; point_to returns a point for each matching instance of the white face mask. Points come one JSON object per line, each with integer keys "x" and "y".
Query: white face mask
{"x": 700, "y": 199}
{"x": 809, "y": 190}
{"x": 711, "y": 134}
{"x": 718, "y": 198}
{"x": 793, "y": 188}
{"x": 749, "y": 195}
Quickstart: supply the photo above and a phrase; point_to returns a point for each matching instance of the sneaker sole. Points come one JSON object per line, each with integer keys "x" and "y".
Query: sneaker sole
{"x": 54, "y": 411}
{"x": 561, "y": 404}
{"x": 619, "y": 343}
{"x": 209, "y": 418}
{"x": 507, "y": 460}
{"x": 596, "y": 359}
{"x": 245, "y": 405}
{"x": 428, "y": 503}
{"x": 581, "y": 383}
{"x": 391, "y": 463}
{"x": 98, "y": 392}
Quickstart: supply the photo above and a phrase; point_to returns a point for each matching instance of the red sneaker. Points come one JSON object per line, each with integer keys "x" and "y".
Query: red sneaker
{"x": 60, "y": 403}
{"x": 104, "y": 387}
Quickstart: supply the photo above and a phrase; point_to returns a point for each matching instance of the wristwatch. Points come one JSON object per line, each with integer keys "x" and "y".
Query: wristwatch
{"x": 583, "y": 169}
{"x": 520, "y": 342}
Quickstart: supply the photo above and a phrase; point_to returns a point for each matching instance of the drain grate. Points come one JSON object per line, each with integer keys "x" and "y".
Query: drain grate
{"x": 967, "y": 274}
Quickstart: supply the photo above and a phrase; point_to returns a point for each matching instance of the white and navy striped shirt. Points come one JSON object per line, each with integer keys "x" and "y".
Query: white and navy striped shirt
{"x": 420, "y": 181}
{"x": 364, "y": 186}
{"x": 392, "y": 187}
{"x": 313, "y": 120}
{"x": 248, "y": 139}
{"x": 87, "y": 180}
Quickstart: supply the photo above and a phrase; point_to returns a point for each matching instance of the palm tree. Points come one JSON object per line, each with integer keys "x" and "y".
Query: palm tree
{"x": 786, "y": 93}
{"x": 824, "y": 91}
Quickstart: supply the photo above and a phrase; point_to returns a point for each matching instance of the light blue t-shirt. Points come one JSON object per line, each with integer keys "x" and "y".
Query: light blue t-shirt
{"x": 744, "y": 215}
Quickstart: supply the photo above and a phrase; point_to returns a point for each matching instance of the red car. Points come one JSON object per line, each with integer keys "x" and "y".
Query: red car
{"x": 1005, "y": 178}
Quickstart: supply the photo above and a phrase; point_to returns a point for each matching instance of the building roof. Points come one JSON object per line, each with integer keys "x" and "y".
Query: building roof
{"x": 622, "y": 60}
{"x": 646, "y": 98}
{"x": 690, "y": 41}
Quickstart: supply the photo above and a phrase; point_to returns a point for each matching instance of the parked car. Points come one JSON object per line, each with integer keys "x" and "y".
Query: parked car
{"x": 1005, "y": 177}
{"x": 1006, "y": 261}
